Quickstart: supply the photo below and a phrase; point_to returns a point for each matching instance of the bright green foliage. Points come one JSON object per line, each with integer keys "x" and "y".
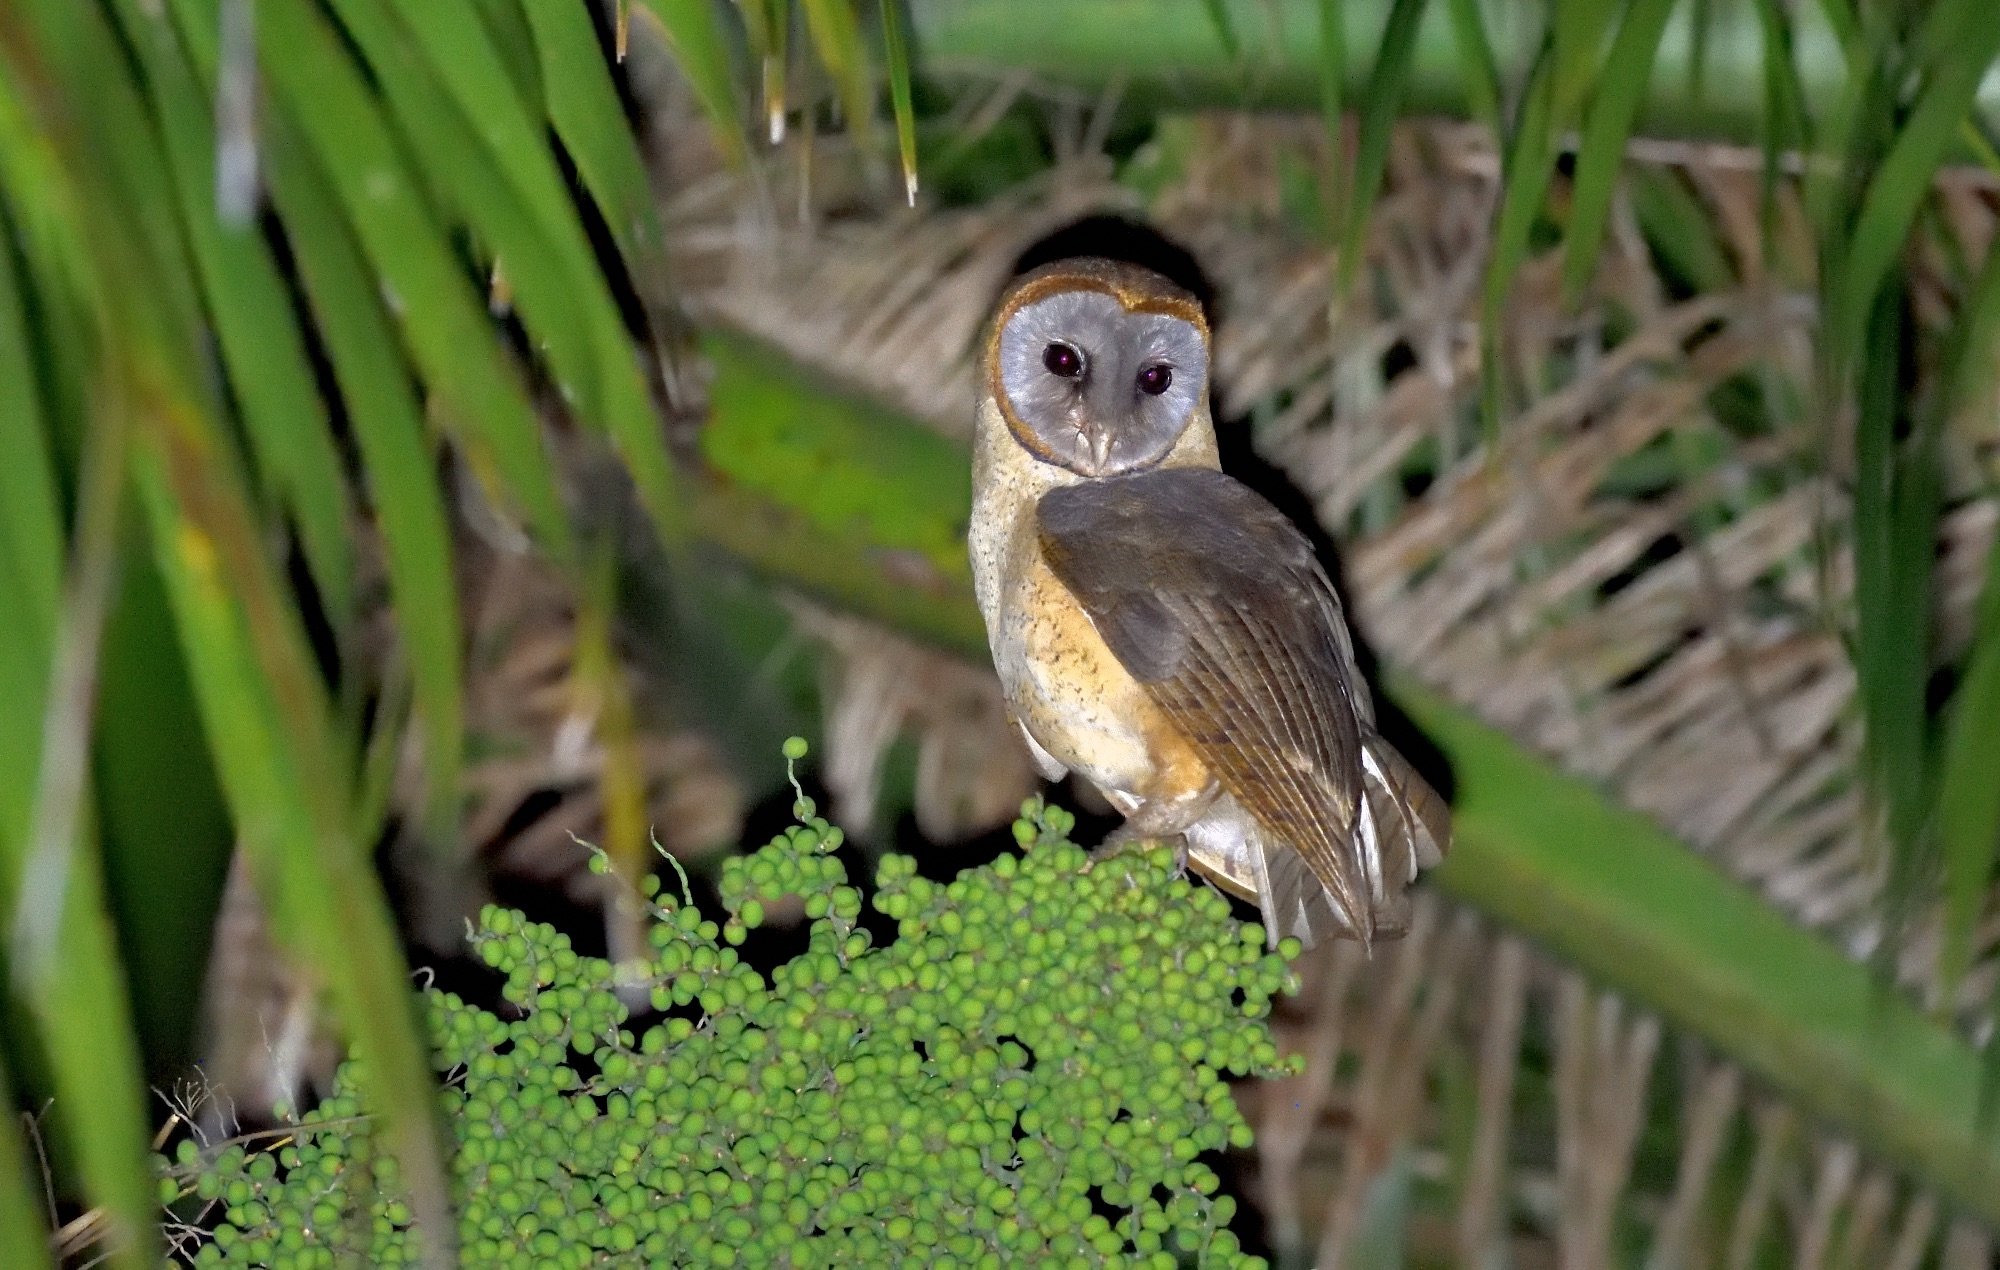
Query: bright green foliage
{"x": 1031, "y": 1071}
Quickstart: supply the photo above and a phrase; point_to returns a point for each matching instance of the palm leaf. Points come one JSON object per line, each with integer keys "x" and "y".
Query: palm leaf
{"x": 582, "y": 106}
{"x": 246, "y": 302}
{"x": 836, "y": 39}
{"x": 61, "y": 949}
{"x": 1379, "y": 105}
{"x": 476, "y": 392}
{"x": 1607, "y": 127}
{"x": 1475, "y": 56}
{"x": 387, "y": 419}
{"x": 1968, "y": 798}
{"x": 1882, "y": 225}
{"x": 23, "y": 1241}
{"x": 691, "y": 31}
{"x": 896, "y": 52}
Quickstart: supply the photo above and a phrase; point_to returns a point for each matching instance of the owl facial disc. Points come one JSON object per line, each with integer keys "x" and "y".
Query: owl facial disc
{"x": 1094, "y": 379}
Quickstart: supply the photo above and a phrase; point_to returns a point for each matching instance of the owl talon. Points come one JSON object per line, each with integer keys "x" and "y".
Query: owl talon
{"x": 1120, "y": 839}
{"x": 1126, "y": 837}
{"x": 1117, "y": 842}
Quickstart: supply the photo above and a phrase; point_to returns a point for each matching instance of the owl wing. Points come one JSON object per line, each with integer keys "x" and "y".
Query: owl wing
{"x": 1215, "y": 603}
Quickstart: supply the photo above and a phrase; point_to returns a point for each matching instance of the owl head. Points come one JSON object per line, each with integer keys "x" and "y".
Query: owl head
{"x": 1097, "y": 366}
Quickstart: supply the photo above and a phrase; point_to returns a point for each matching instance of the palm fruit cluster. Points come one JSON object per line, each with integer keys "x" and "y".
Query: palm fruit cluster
{"x": 1032, "y": 1071}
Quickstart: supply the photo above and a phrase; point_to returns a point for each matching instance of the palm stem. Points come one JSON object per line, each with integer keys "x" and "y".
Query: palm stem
{"x": 1708, "y": 80}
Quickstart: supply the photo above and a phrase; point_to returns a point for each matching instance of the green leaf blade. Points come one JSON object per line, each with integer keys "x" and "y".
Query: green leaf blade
{"x": 31, "y": 532}
{"x": 504, "y": 178}
{"x": 1478, "y": 65}
{"x": 695, "y": 39}
{"x": 582, "y": 105}
{"x": 291, "y": 798}
{"x": 896, "y": 50}
{"x": 23, "y": 1240}
{"x": 1607, "y": 128}
{"x": 835, "y": 33}
{"x": 262, "y": 348}
{"x": 1379, "y": 105}
{"x": 476, "y": 390}
{"x": 1968, "y": 797}
{"x": 1899, "y": 185}
{"x": 388, "y": 428}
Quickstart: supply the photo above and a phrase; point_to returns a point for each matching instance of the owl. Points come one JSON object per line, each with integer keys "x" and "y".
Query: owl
{"x": 1162, "y": 630}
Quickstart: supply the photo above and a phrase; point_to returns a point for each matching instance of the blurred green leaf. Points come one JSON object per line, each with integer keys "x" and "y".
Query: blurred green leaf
{"x": 897, "y": 52}
{"x": 475, "y": 389}
{"x": 151, "y": 754}
{"x": 1379, "y": 104}
{"x": 1968, "y": 804}
{"x": 1701, "y": 31}
{"x": 1476, "y": 63}
{"x": 447, "y": 96}
{"x": 1969, "y": 39}
{"x": 582, "y": 105}
{"x": 1706, "y": 84}
{"x": 1866, "y": 218}
{"x": 267, "y": 719}
{"x": 583, "y": 108}
{"x": 605, "y": 690}
{"x": 1846, "y": 31}
{"x": 1577, "y": 29}
{"x": 1607, "y": 128}
{"x": 31, "y": 530}
{"x": 695, "y": 38}
{"x": 509, "y": 23}
{"x": 1527, "y": 167}
{"x": 483, "y": 143}
{"x": 1678, "y": 229}
{"x": 455, "y": 106}
{"x": 836, "y": 40}
{"x": 61, "y": 951}
{"x": 1784, "y": 106}
{"x": 1224, "y": 26}
{"x": 1895, "y": 532}
{"x": 262, "y": 350}
{"x": 1968, "y": 799}
{"x": 383, "y": 411}
{"x": 24, "y": 1243}
{"x": 1332, "y": 74}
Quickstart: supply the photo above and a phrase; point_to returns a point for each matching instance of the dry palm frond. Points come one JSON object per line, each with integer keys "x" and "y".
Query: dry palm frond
{"x": 971, "y": 773}
{"x": 1634, "y": 580}
{"x": 265, "y": 1035}
{"x": 532, "y": 787}
{"x": 532, "y": 798}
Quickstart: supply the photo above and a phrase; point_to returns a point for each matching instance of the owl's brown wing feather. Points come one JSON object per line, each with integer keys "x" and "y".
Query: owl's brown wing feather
{"x": 1216, "y": 604}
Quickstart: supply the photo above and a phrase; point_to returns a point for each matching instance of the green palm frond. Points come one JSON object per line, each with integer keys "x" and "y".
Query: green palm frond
{"x": 281, "y": 378}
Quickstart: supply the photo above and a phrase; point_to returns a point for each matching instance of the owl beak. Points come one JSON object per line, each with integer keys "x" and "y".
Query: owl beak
{"x": 1097, "y": 439}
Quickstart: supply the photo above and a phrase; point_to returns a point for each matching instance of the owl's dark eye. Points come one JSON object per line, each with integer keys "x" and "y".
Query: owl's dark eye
{"x": 1063, "y": 361}
{"x": 1155, "y": 380}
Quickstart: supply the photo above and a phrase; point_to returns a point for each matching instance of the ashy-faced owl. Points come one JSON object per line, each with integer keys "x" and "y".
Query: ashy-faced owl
{"x": 1162, "y": 630}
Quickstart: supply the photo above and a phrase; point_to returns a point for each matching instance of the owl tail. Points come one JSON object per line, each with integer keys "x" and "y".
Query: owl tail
{"x": 1291, "y": 897}
{"x": 1402, "y": 826}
